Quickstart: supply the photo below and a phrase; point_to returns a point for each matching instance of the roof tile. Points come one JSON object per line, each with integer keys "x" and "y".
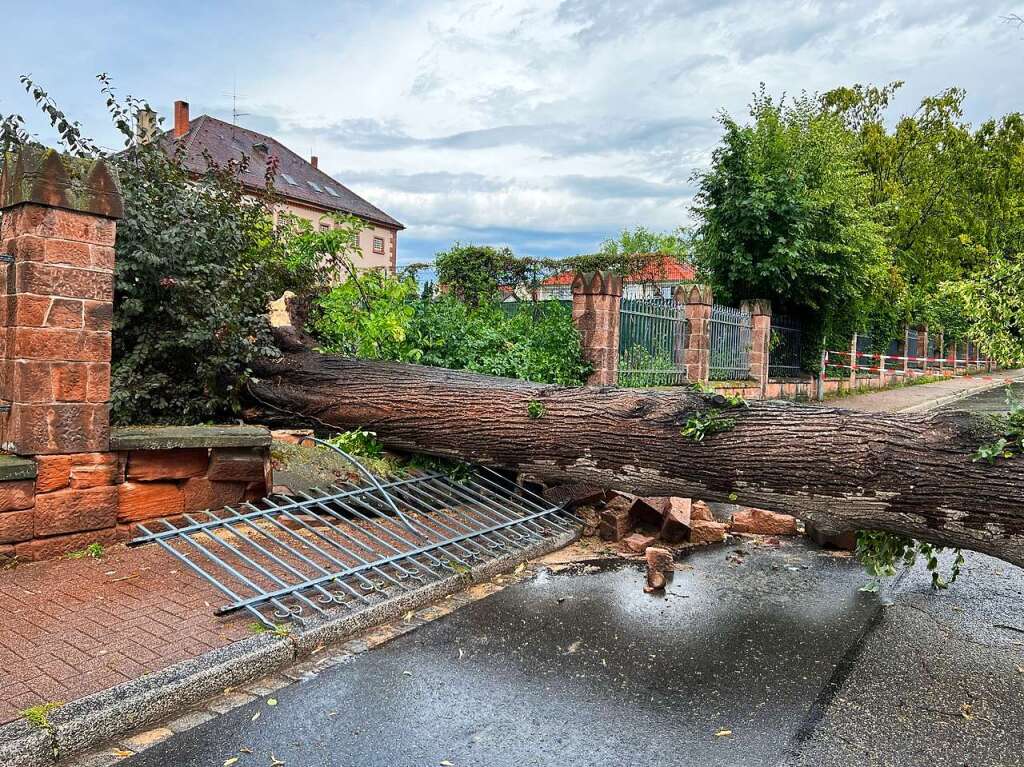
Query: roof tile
{"x": 225, "y": 142}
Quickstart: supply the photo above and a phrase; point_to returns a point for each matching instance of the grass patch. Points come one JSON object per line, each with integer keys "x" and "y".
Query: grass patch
{"x": 39, "y": 716}
{"x": 93, "y": 551}
{"x": 280, "y": 630}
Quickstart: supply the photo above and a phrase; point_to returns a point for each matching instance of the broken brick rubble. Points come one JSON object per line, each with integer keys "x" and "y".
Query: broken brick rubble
{"x": 675, "y": 527}
{"x": 638, "y": 542}
{"x": 763, "y": 522}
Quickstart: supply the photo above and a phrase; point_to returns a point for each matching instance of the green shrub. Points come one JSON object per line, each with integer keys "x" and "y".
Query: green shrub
{"x": 378, "y": 316}
{"x": 198, "y": 258}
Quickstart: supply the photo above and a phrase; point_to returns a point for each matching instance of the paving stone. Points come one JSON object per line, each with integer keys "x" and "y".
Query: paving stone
{"x": 144, "y": 740}
{"x": 189, "y": 720}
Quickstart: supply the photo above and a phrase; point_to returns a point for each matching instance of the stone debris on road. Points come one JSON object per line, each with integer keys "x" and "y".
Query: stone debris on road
{"x": 762, "y": 522}
{"x": 660, "y": 527}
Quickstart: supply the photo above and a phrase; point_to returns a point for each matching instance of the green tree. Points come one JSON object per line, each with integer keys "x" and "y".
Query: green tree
{"x": 784, "y": 213}
{"x": 950, "y": 198}
{"x": 474, "y": 273}
{"x": 197, "y": 261}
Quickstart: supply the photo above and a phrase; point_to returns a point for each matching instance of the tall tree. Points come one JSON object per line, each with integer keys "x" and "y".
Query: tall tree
{"x": 784, "y": 213}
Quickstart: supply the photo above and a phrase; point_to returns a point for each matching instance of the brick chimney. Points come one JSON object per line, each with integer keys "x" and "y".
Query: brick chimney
{"x": 313, "y": 160}
{"x": 180, "y": 118}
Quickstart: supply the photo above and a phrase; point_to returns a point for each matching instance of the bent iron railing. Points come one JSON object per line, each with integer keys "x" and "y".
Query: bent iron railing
{"x": 352, "y": 544}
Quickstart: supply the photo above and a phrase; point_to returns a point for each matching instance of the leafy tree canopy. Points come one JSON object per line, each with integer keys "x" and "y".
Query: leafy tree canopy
{"x": 198, "y": 258}
{"x": 784, "y": 214}
{"x": 857, "y": 221}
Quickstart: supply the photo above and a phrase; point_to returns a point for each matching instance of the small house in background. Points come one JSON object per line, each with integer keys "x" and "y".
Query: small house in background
{"x": 304, "y": 190}
{"x": 658, "y": 278}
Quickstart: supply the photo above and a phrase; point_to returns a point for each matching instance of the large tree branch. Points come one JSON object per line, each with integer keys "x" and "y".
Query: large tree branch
{"x": 909, "y": 474}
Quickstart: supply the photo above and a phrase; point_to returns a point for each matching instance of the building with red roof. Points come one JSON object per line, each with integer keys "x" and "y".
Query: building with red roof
{"x": 657, "y": 278}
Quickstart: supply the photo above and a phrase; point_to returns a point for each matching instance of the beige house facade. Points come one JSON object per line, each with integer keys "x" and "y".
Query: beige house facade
{"x": 301, "y": 187}
{"x": 378, "y": 244}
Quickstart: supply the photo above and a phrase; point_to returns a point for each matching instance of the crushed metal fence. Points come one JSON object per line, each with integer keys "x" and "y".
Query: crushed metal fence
{"x": 730, "y": 331}
{"x": 652, "y": 342}
{"x": 784, "y": 348}
{"x": 351, "y": 544}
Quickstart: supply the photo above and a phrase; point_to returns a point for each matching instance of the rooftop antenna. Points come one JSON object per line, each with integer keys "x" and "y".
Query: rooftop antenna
{"x": 235, "y": 114}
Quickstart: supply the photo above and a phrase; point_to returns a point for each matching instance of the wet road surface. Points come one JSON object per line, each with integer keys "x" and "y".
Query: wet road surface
{"x": 777, "y": 646}
{"x": 578, "y": 669}
{"x": 992, "y": 401}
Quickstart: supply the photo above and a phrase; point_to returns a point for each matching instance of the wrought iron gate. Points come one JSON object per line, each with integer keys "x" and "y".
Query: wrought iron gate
{"x": 652, "y": 342}
{"x": 353, "y": 543}
{"x": 730, "y": 331}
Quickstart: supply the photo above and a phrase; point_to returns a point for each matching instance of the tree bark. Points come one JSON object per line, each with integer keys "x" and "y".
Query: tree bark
{"x": 841, "y": 470}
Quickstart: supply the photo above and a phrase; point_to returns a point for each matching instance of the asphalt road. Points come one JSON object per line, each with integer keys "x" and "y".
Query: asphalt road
{"x": 578, "y": 670}
{"x": 776, "y": 646}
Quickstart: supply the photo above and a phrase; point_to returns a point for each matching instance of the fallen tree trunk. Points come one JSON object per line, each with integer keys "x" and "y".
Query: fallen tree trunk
{"x": 841, "y": 470}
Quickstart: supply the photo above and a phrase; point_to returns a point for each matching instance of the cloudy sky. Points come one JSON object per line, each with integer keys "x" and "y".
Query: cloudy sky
{"x": 544, "y": 125}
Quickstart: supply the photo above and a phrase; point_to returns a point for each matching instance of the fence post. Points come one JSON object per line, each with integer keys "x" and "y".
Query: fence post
{"x": 906, "y": 352}
{"x": 59, "y": 234}
{"x": 940, "y": 347}
{"x": 853, "y": 362}
{"x": 922, "y": 347}
{"x": 821, "y": 375}
{"x": 760, "y": 311}
{"x": 697, "y": 301}
{"x": 596, "y": 303}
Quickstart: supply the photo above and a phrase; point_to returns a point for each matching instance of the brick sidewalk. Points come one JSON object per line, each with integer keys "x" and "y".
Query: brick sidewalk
{"x": 70, "y": 628}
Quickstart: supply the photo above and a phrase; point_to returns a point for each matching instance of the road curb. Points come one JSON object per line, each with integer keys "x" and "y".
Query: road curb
{"x": 106, "y": 716}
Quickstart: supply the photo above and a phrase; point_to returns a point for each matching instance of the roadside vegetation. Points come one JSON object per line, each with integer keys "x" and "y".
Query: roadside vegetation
{"x": 845, "y": 216}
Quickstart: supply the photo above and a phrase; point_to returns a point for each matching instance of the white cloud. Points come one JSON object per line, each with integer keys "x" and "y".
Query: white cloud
{"x": 545, "y": 123}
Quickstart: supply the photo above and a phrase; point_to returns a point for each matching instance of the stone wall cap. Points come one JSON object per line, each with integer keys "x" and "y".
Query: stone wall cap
{"x": 35, "y": 174}
{"x": 597, "y": 284}
{"x": 169, "y": 437}
{"x": 14, "y": 467}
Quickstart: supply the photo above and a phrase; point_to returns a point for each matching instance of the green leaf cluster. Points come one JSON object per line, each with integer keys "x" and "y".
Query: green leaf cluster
{"x": 882, "y": 553}
{"x": 198, "y": 258}
{"x": 1010, "y": 442}
{"x": 379, "y": 316}
{"x": 701, "y": 424}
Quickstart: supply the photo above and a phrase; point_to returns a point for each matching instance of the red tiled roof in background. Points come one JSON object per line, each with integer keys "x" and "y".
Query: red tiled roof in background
{"x": 669, "y": 269}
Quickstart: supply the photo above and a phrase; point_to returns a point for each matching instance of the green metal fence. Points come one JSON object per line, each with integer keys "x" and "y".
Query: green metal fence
{"x": 730, "y": 331}
{"x": 652, "y": 342}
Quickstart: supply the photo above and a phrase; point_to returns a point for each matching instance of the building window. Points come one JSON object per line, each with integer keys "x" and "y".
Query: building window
{"x": 378, "y": 245}
{"x": 325, "y": 226}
